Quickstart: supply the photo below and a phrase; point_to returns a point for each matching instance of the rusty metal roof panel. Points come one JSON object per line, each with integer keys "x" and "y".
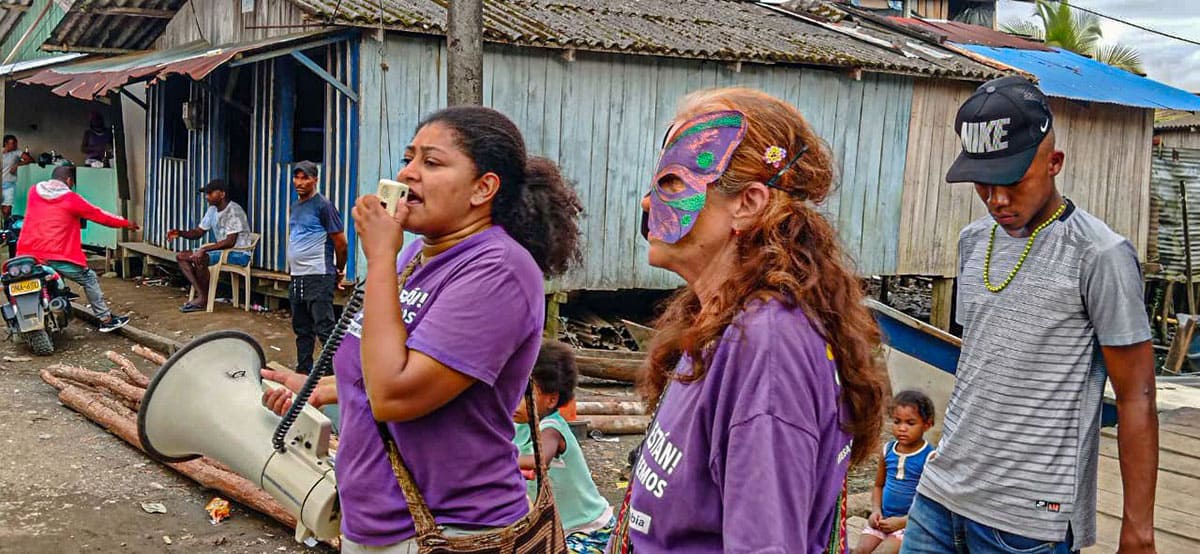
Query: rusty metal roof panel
{"x": 112, "y": 26}
{"x": 727, "y": 30}
{"x": 196, "y": 60}
{"x": 965, "y": 33}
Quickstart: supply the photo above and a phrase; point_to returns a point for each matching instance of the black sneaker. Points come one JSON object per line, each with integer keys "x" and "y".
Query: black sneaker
{"x": 115, "y": 322}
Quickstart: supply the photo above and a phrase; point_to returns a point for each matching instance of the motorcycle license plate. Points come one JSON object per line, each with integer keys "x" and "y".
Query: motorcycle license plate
{"x": 24, "y": 287}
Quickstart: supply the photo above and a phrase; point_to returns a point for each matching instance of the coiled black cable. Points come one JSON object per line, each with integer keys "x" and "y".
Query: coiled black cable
{"x": 323, "y": 367}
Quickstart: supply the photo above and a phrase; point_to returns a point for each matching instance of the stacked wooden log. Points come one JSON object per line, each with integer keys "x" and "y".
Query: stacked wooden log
{"x": 619, "y": 413}
{"x": 111, "y": 399}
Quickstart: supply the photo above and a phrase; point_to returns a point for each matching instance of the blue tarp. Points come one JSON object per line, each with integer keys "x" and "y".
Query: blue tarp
{"x": 1068, "y": 75}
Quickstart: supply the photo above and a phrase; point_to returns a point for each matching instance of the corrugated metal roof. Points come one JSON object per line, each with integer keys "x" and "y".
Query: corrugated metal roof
{"x": 112, "y": 26}
{"x": 965, "y": 33}
{"x": 10, "y": 13}
{"x": 1068, "y": 75}
{"x": 1177, "y": 120}
{"x": 727, "y": 30}
{"x": 20, "y": 68}
{"x": 90, "y": 79}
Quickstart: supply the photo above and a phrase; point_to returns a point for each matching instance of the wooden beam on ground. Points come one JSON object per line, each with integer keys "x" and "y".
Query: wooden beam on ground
{"x": 614, "y": 366}
{"x": 609, "y": 407}
{"x": 1177, "y": 355}
{"x": 619, "y": 425}
{"x": 146, "y": 338}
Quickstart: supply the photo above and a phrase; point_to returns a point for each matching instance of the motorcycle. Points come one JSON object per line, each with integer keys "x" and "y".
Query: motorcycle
{"x": 38, "y": 303}
{"x": 11, "y": 232}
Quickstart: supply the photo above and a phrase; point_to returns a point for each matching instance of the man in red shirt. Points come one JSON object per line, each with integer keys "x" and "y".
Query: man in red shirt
{"x": 52, "y": 235}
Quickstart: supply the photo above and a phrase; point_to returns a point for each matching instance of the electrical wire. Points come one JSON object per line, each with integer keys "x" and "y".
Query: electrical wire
{"x": 1121, "y": 21}
{"x": 196, "y": 20}
{"x": 333, "y": 16}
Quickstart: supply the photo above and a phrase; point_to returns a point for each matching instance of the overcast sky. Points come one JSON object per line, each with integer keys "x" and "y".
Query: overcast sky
{"x": 1170, "y": 61}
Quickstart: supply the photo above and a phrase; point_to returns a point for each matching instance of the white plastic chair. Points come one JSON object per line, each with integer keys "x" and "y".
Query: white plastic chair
{"x": 223, "y": 265}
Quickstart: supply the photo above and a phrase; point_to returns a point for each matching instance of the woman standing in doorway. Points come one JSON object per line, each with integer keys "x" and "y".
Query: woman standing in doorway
{"x": 764, "y": 369}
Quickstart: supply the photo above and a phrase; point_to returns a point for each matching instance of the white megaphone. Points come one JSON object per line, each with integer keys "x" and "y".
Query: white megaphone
{"x": 207, "y": 401}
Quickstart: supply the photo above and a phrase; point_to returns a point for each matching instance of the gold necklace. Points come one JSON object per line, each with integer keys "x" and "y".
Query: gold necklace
{"x": 987, "y": 259}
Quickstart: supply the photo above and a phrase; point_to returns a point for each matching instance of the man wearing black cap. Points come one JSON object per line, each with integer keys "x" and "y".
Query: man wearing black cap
{"x": 316, "y": 261}
{"x": 1049, "y": 299}
{"x": 228, "y": 221}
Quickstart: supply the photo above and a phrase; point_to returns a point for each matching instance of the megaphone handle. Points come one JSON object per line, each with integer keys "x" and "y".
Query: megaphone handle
{"x": 323, "y": 367}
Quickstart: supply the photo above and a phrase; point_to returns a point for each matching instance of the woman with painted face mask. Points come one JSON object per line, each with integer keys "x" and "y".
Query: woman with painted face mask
{"x": 450, "y": 330}
{"x": 763, "y": 370}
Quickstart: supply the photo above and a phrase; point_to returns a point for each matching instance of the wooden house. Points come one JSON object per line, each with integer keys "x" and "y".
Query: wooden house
{"x": 242, "y": 95}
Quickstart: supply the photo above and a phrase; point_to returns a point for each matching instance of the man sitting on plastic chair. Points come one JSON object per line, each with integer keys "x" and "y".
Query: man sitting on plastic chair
{"x": 227, "y": 220}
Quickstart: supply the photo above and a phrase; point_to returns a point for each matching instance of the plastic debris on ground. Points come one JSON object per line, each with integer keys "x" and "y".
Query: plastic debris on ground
{"x": 154, "y": 508}
{"x": 218, "y": 509}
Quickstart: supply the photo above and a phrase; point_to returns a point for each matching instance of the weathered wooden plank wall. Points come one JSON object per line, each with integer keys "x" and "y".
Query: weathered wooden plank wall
{"x": 602, "y": 117}
{"x": 1180, "y": 138}
{"x": 1107, "y": 172}
{"x": 223, "y": 22}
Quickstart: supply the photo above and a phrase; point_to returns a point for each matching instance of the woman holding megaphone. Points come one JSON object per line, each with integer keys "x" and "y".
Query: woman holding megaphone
{"x": 443, "y": 349}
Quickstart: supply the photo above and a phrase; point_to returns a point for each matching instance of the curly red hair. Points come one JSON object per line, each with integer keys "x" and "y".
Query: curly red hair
{"x": 791, "y": 254}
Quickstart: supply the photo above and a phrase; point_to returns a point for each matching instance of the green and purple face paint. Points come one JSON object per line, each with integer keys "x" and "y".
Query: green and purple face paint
{"x": 697, "y": 153}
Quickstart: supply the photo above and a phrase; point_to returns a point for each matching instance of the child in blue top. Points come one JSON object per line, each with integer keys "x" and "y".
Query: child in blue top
{"x": 900, "y": 469}
{"x": 587, "y": 517}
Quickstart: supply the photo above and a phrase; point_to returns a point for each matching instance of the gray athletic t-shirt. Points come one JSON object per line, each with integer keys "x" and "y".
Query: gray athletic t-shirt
{"x": 1020, "y": 445}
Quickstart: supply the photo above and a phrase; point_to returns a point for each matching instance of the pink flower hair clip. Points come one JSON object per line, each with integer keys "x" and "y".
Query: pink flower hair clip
{"x": 774, "y": 156}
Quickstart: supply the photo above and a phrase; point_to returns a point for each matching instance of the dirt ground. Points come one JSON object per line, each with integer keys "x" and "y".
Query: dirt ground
{"x": 69, "y": 486}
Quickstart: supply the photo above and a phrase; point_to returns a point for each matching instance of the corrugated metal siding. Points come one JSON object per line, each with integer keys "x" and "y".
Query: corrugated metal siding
{"x": 172, "y": 184}
{"x": 601, "y": 117}
{"x": 1107, "y": 173}
{"x": 271, "y": 192}
{"x": 1170, "y": 166}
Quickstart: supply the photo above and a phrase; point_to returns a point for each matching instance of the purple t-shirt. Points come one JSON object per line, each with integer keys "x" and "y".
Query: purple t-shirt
{"x": 750, "y": 458}
{"x": 478, "y": 308}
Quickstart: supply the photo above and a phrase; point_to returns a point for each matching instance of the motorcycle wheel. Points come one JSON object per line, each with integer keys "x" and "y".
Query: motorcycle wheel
{"x": 39, "y": 341}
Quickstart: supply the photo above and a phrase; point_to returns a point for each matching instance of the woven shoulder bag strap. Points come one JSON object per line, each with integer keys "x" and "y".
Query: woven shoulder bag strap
{"x": 619, "y": 539}
{"x": 423, "y": 518}
{"x": 837, "y": 535}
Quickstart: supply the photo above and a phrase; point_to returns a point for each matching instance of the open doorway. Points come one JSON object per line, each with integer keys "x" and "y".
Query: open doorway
{"x": 308, "y": 122}
{"x": 239, "y": 96}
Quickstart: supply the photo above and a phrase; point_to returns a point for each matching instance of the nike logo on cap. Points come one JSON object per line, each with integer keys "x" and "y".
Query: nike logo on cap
{"x": 1045, "y": 125}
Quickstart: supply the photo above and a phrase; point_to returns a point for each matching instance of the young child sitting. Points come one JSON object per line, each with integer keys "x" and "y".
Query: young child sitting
{"x": 587, "y": 517}
{"x": 900, "y": 469}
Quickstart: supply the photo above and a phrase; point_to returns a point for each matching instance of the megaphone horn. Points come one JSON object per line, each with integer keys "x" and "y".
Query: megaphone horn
{"x": 207, "y": 401}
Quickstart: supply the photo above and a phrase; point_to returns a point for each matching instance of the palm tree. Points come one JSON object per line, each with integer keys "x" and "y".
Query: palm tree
{"x": 1078, "y": 32}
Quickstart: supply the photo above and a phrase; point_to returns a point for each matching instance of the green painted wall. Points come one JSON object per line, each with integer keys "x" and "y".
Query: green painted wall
{"x": 31, "y": 49}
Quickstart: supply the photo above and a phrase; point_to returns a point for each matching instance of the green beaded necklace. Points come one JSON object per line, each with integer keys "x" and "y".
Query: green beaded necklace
{"x": 987, "y": 260}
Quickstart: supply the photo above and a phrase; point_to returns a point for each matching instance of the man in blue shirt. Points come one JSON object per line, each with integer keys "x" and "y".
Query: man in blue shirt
{"x": 316, "y": 260}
